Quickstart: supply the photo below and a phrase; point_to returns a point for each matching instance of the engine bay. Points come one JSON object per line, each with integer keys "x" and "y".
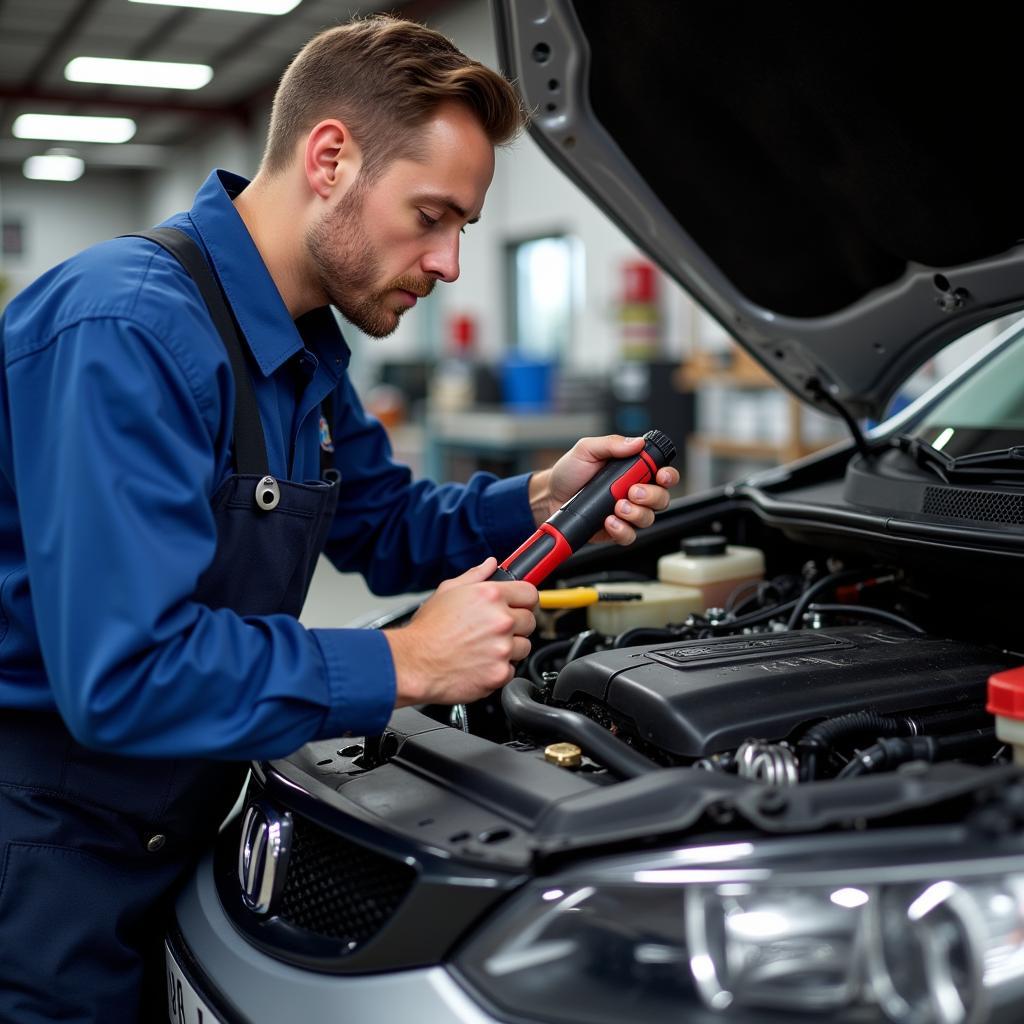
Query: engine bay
{"x": 818, "y": 668}
{"x": 766, "y": 644}
{"x": 775, "y": 706}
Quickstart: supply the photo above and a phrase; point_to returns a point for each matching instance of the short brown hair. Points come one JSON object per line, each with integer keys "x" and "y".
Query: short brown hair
{"x": 384, "y": 77}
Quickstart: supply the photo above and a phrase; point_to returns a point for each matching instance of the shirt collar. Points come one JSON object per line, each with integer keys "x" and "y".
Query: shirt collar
{"x": 257, "y": 304}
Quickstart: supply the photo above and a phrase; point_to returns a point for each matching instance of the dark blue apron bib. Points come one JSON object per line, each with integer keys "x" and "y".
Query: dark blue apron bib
{"x": 91, "y": 844}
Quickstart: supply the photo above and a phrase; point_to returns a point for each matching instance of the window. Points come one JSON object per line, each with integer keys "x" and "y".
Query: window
{"x": 542, "y": 275}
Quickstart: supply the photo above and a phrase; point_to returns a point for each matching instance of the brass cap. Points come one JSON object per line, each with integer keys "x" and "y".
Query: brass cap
{"x": 565, "y": 755}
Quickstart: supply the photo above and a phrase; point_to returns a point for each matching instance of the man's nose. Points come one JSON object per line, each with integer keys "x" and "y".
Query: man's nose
{"x": 442, "y": 261}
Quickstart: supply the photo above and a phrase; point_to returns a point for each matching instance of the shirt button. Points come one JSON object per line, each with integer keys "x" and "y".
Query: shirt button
{"x": 155, "y": 842}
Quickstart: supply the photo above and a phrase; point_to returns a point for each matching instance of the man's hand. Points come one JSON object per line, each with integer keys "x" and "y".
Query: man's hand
{"x": 552, "y": 488}
{"x": 462, "y": 642}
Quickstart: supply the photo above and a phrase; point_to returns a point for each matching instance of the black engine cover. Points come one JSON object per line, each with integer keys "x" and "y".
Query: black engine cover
{"x": 701, "y": 697}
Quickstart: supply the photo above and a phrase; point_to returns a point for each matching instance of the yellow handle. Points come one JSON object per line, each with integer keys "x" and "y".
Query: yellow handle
{"x": 570, "y": 597}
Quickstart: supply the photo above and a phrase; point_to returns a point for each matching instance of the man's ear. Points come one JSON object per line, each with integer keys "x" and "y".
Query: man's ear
{"x": 332, "y": 159}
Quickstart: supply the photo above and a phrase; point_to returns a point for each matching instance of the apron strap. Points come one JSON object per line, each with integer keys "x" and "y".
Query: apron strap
{"x": 250, "y": 445}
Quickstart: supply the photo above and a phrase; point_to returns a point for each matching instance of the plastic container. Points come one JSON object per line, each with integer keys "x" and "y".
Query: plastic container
{"x": 711, "y": 565}
{"x": 451, "y": 387}
{"x": 659, "y": 604}
{"x": 1006, "y": 702}
{"x": 526, "y": 384}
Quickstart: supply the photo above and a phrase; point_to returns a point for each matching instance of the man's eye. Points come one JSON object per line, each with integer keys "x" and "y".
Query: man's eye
{"x": 427, "y": 221}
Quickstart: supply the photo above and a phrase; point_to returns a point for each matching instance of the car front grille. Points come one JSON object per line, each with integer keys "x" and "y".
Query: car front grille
{"x": 338, "y": 889}
{"x": 979, "y": 506}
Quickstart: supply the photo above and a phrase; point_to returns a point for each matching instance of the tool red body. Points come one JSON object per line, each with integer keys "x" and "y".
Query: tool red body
{"x": 585, "y": 512}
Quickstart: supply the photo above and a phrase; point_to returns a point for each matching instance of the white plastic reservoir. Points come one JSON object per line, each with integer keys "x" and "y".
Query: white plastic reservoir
{"x": 713, "y": 566}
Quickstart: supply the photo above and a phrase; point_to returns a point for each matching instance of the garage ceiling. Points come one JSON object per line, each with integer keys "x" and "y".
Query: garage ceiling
{"x": 247, "y": 52}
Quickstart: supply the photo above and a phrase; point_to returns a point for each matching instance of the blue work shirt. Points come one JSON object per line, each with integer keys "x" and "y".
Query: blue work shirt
{"x": 116, "y": 408}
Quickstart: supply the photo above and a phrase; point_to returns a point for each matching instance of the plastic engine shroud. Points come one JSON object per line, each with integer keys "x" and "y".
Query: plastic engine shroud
{"x": 700, "y": 697}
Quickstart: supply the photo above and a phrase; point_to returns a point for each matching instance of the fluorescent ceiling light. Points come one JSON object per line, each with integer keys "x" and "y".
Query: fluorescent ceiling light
{"x": 67, "y": 128}
{"x": 246, "y": 6}
{"x": 153, "y": 74}
{"x": 53, "y": 167}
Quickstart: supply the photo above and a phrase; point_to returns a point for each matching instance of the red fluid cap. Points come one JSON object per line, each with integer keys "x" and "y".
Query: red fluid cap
{"x": 1006, "y": 693}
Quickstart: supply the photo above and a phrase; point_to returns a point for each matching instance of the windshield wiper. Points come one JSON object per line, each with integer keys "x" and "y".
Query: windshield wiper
{"x": 995, "y": 464}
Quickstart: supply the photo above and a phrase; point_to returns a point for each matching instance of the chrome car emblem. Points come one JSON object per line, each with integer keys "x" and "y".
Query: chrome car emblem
{"x": 263, "y": 855}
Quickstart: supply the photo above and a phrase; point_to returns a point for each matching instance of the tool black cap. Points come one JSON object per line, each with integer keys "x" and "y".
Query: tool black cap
{"x": 704, "y": 547}
{"x": 663, "y": 443}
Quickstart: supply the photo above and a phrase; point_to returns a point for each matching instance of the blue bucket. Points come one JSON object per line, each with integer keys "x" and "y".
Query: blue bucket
{"x": 526, "y": 384}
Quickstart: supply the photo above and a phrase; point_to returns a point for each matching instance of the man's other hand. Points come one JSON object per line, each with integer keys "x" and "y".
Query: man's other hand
{"x": 552, "y": 488}
{"x": 461, "y": 644}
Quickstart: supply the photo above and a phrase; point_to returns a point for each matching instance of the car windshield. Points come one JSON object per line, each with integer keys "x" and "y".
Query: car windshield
{"x": 985, "y": 411}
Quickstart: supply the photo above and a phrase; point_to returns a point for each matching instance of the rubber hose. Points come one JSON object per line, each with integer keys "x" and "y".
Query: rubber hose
{"x": 858, "y": 723}
{"x": 752, "y": 618}
{"x": 894, "y": 751}
{"x": 560, "y": 724}
{"x": 644, "y": 635}
{"x": 888, "y": 753}
{"x": 588, "y": 638}
{"x": 542, "y": 655}
{"x": 866, "y": 612}
{"x": 832, "y": 580}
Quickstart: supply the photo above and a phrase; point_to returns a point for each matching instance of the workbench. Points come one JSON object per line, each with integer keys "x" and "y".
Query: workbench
{"x": 525, "y": 441}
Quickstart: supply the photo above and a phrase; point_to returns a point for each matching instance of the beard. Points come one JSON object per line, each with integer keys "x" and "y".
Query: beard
{"x": 348, "y": 264}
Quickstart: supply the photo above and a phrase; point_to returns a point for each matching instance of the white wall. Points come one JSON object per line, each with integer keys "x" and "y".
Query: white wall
{"x": 59, "y": 218}
{"x": 62, "y": 218}
{"x": 174, "y": 187}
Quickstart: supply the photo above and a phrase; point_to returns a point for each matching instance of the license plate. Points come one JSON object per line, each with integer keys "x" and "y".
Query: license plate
{"x": 183, "y": 1003}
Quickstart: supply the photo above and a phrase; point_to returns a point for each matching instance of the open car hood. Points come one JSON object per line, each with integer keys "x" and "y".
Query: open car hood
{"x": 842, "y": 192}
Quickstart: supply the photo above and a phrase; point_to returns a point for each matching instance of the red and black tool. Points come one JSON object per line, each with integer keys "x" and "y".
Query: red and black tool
{"x": 585, "y": 512}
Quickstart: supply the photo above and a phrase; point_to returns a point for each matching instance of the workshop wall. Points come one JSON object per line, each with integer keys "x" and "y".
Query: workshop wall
{"x": 55, "y": 221}
{"x": 173, "y": 188}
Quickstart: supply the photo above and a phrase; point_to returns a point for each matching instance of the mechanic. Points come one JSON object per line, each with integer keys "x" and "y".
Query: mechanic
{"x": 169, "y": 474}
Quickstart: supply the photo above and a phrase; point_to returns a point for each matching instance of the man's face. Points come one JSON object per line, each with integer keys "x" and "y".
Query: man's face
{"x": 383, "y": 245}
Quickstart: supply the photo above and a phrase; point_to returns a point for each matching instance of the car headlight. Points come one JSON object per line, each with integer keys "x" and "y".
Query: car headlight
{"x": 832, "y": 928}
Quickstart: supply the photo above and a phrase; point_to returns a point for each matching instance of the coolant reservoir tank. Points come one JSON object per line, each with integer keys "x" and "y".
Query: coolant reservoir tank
{"x": 712, "y": 566}
{"x": 655, "y": 605}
